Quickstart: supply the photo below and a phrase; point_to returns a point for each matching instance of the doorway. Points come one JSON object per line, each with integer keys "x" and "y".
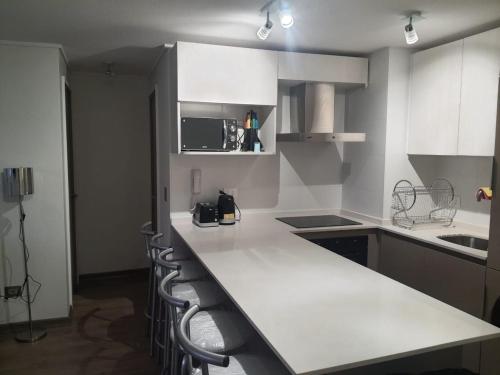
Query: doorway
{"x": 71, "y": 187}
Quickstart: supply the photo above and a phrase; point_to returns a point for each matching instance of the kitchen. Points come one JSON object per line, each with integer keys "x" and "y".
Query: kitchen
{"x": 343, "y": 217}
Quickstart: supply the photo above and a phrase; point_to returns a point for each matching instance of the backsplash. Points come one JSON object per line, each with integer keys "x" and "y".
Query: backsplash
{"x": 466, "y": 174}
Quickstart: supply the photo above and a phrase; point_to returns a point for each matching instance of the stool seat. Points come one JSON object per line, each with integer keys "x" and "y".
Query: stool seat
{"x": 246, "y": 364}
{"x": 219, "y": 331}
{"x": 202, "y": 293}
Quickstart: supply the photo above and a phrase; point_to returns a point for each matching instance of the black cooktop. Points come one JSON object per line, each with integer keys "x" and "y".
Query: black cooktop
{"x": 316, "y": 221}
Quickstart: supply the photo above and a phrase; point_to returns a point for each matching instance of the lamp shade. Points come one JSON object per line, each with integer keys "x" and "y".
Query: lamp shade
{"x": 18, "y": 182}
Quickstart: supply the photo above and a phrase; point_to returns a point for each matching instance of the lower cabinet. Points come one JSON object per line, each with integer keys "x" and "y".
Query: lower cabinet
{"x": 456, "y": 281}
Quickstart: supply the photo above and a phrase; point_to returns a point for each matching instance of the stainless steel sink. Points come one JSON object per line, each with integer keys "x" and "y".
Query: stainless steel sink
{"x": 464, "y": 240}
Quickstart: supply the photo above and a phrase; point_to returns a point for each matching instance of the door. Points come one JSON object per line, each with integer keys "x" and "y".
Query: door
{"x": 223, "y": 74}
{"x": 152, "y": 133}
{"x": 71, "y": 188}
{"x": 435, "y": 100}
{"x": 494, "y": 240}
{"x": 479, "y": 93}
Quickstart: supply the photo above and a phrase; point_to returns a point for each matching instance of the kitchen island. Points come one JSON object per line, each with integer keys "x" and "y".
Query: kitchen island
{"x": 318, "y": 311}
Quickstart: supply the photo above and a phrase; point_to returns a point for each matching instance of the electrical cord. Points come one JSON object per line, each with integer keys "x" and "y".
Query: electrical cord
{"x": 239, "y": 212}
{"x": 26, "y": 250}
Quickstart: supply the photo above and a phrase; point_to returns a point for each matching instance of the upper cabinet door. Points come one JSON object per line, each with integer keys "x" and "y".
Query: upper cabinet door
{"x": 322, "y": 68}
{"x": 435, "y": 100}
{"x": 222, "y": 74}
{"x": 480, "y": 73}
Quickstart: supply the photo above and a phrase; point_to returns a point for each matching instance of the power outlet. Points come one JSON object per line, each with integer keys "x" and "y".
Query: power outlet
{"x": 13, "y": 291}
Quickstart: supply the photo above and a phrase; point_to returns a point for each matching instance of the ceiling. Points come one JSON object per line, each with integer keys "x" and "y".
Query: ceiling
{"x": 129, "y": 32}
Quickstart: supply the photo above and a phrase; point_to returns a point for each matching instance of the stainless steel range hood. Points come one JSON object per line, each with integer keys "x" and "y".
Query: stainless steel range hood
{"x": 312, "y": 116}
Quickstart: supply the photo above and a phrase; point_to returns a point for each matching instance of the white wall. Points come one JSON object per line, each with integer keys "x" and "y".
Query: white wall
{"x": 31, "y": 135}
{"x": 363, "y": 189}
{"x": 374, "y": 168}
{"x": 112, "y": 170}
{"x": 299, "y": 176}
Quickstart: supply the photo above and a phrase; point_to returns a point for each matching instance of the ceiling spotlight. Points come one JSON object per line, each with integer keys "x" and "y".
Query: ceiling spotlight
{"x": 265, "y": 30}
{"x": 286, "y": 19}
{"x": 410, "y": 32}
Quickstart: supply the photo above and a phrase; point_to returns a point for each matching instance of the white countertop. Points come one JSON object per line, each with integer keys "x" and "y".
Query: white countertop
{"x": 318, "y": 311}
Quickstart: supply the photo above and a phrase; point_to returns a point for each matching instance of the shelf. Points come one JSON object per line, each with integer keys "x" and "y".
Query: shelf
{"x": 231, "y": 153}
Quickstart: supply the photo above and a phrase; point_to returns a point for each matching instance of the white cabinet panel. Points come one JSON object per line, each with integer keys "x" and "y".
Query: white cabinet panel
{"x": 222, "y": 74}
{"x": 480, "y": 73}
{"x": 322, "y": 68}
{"x": 435, "y": 100}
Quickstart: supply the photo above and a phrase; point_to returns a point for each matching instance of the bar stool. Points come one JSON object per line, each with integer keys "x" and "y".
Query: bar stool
{"x": 192, "y": 270}
{"x": 216, "y": 364}
{"x": 187, "y": 286}
{"x": 220, "y": 331}
{"x": 147, "y": 233}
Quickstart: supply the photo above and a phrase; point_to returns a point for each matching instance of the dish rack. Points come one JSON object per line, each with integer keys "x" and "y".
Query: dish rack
{"x": 414, "y": 205}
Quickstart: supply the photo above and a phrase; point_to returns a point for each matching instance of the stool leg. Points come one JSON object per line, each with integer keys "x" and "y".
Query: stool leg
{"x": 152, "y": 322}
{"x": 149, "y": 300}
{"x": 166, "y": 339}
{"x": 159, "y": 331}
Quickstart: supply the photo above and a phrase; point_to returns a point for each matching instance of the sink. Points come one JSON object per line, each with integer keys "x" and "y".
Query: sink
{"x": 464, "y": 240}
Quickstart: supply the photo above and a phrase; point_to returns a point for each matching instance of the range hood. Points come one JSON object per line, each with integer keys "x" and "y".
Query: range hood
{"x": 312, "y": 116}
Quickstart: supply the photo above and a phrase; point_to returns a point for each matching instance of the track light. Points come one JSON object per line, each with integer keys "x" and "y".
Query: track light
{"x": 411, "y": 35}
{"x": 286, "y": 19}
{"x": 265, "y": 30}
{"x": 279, "y": 8}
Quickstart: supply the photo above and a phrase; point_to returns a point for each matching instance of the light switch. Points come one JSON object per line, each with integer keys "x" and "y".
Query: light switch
{"x": 195, "y": 181}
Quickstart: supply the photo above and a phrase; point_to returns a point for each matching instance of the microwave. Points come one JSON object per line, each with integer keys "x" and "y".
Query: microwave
{"x": 208, "y": 134}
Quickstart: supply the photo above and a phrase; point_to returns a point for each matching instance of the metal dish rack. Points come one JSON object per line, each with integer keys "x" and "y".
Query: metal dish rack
{"x": 414, "y": 205}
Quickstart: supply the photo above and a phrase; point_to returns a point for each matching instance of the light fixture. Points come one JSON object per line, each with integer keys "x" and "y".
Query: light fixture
{"x": 265, "y": 30}
{"x": 279, "y": 8}
{"x": 411, "y": 35}
{"x": 286, "y": 18}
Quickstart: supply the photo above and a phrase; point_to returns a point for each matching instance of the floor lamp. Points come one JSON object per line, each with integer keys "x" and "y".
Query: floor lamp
{"x": 18, "y": 184}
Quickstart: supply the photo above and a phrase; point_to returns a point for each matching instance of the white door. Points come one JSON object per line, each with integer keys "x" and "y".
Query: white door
{"x": 481, "y": 69}
{"x": 222, "y": 74}
{"x": 435, "y": 100}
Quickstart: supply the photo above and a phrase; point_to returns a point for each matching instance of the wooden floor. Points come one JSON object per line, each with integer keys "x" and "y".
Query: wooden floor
{"x": 106, "y": 335}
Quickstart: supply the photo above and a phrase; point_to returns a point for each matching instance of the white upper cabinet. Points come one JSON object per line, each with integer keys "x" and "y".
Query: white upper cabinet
{"x": 222, "y": 74}
{"x": 435, "y": 100}
{"x": 480, "y": 73}
{"x": 453, "y": 97}
{"x": 322, "y": 68}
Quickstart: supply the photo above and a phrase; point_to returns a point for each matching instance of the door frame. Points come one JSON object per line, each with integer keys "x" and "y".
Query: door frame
{"x": 68, "y": 186}
{"x": 154, "y": 156}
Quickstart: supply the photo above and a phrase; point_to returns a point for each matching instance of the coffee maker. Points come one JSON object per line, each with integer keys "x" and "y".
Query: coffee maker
{"x": 226, "y": 208}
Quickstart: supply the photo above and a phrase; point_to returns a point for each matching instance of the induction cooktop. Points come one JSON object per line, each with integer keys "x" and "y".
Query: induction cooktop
{"x": 317, "y": 221}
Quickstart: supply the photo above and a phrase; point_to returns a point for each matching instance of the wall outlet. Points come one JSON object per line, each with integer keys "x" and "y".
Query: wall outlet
{"x": 13, "y": 291}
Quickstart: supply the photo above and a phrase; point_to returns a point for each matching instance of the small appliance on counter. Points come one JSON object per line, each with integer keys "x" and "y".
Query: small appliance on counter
{"x": 226, "y": 207}
{"x": 206, "y": 215}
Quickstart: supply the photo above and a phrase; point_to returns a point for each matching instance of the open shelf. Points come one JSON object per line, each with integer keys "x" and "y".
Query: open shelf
{"x": 231, "y": 153}
{"x": 265, "y": 113}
